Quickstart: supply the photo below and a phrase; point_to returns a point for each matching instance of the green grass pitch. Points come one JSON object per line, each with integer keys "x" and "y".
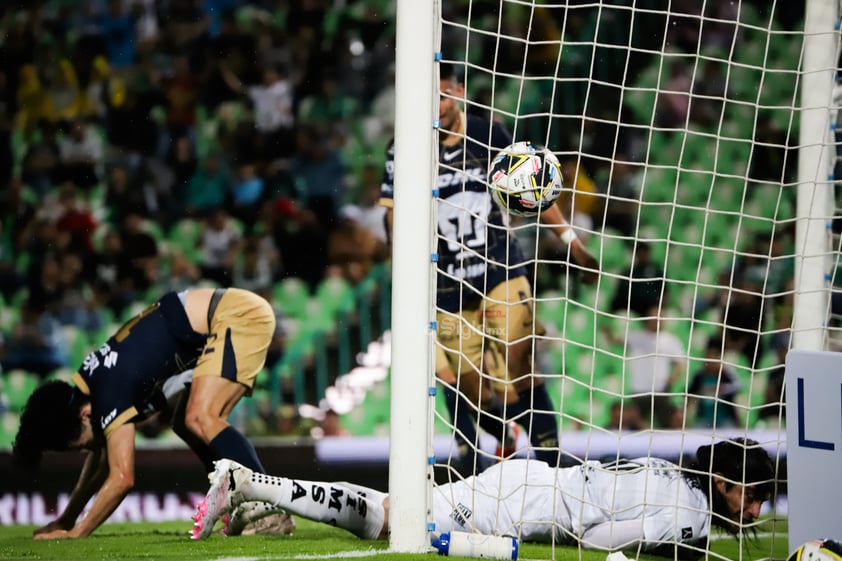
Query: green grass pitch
{"x": 170, "y": 541}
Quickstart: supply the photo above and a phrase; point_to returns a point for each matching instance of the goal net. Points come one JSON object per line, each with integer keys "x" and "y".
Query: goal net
{"x": 694, "y": 165}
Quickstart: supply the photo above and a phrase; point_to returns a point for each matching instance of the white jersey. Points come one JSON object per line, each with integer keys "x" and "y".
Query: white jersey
{"x": 650, "y": 357}
{"x": 272, "y": 106}
{"x": 531, "y": 500}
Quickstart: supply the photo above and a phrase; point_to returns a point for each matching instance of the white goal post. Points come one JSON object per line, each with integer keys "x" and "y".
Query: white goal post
{"x": 701, "y": 133}
{"x": 816, "y": 158}
{"x": 412, "y": 277}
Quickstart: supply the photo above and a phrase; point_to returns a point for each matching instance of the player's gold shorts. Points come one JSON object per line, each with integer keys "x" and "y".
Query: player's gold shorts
{"x": 476, "y": 339}
{"x": 241, "y": 328}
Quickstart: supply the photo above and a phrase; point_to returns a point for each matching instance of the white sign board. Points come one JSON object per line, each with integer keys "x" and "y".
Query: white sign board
{"x": 814, "y": 445}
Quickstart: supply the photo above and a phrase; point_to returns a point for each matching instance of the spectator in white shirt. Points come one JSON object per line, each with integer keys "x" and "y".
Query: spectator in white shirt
{"x": 218, "y": 244}
{"x": 368, "y": 212}
{"x": 80, "y": 155}
{"x": 273, "y": 112}
{"x": 655, "y": 360}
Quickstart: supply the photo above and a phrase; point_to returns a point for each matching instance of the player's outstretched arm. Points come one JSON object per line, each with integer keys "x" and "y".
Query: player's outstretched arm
{"x": 231, "y": 80}
{"x": 588, "y": 263}
{"x": 93, "y": 474}
{"x": 118, "y": 483}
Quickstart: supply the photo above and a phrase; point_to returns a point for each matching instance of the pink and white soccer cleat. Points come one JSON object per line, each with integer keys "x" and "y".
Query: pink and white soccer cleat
{"x": 222, "y": 497}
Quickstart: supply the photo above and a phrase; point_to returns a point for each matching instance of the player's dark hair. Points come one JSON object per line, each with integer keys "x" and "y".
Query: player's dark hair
{"x": 740, "y": 461}
{"x": 452, "y": 71}
{"x": 50, "y": 421}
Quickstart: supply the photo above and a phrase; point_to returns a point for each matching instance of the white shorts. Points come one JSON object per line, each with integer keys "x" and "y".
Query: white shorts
{"x": 515, "y": 497}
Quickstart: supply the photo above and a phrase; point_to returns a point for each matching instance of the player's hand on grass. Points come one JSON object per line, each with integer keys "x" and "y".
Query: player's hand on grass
{"x": 54, "y": 534}
{"x": 51, "y": 530}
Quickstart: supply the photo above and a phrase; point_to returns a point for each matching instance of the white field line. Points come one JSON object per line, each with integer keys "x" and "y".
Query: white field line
{"x": 336, "y": 555}
{"x": 372, "y": 552}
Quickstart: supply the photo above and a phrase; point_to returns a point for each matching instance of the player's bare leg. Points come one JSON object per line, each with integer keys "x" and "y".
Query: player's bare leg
{"x": 179, "y": 427}
{"x": 211, "y": 401}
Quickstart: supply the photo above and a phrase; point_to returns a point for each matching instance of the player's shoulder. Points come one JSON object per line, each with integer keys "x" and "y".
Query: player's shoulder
{"x": 523, "y": 465}
{"x": 661, "y": 462}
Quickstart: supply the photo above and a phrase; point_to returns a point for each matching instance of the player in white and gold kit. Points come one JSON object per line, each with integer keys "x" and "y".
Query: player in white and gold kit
{"x": 648, "y": 503}
{"x": 605, "y": 506}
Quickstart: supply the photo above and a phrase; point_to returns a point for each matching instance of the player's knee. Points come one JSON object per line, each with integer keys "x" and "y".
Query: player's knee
{"x": 200, "y": 423}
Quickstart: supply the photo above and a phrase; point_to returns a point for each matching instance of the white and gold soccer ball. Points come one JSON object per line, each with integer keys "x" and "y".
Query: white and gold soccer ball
{"x": 818, "y": 550}
{"x": 525, "y": 179}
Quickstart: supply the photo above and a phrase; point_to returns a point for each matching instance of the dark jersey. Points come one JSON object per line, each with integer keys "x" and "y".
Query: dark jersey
{"x": 474, "y": 243}
{"x": 124, "y": 376}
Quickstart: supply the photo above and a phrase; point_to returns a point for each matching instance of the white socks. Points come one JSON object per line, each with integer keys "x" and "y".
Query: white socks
{"x": 351, "y": 507}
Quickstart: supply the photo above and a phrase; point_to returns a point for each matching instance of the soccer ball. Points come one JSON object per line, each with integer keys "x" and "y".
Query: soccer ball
{"x": 818, "y": 550}
{"x": 525, "y": 179}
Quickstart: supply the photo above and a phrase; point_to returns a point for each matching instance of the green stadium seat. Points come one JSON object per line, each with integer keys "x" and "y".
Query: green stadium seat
{"x": 552, "y": 359}
{"x": 744, "y": 82}
{"x": 319, "y": 320}
{"x": 607, "y": 366}
{"x": 641, "y": 99}
{"x": 659, "y": 188}
{"x": 367, "y": 418}
{"x": 575, "y": 403}
{"x": 18, "y": 385}
{"x": 8, "y": 428}
{"x": 697, "y": 151}
{"x": 184, "y": 234}
{"x": 579, "y": 325}
{"x": 685, "y": 225}
{"x": 22, "y": 263}
{"x": 356, "y": 152}
{"x": 185, "y": 230}
{"x": 335, "y": 294}
{"x": 613, "y": 251}
{"x": 9, "y": 316}
{"x": 733, "y": 156}
{"x": 600, "y": 409}
{"x": 779, "y": 88}
{"x": 78, "y": 343}
{"x": 683, "y": 262}
{"x": 64, "y": 374}
{"x": 549, "y": 309}
{"x": 292, "y": 294}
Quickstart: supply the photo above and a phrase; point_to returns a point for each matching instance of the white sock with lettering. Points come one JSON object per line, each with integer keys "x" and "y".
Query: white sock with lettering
{"x": 351, "y": 507}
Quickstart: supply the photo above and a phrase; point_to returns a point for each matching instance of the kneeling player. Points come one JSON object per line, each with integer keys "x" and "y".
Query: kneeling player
{"x": 222, "y": 334}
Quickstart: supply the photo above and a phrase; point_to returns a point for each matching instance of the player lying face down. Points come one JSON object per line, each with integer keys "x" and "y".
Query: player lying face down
{"x": 222, "y": 335}
{"x": 646, "y": 503}
{"x": 743, "y": 479}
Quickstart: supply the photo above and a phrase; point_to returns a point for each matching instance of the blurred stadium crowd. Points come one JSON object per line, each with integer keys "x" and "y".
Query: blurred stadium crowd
{"x": 147, "y": 146}
{"x": 152, "y": 145}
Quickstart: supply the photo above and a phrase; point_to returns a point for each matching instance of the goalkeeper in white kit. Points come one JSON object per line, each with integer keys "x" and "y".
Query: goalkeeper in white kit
{"x": 646, "y": 503}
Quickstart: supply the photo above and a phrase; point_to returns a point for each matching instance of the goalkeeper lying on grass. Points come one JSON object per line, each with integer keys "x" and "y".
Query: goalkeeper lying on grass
{"x": 648, "y": 503}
